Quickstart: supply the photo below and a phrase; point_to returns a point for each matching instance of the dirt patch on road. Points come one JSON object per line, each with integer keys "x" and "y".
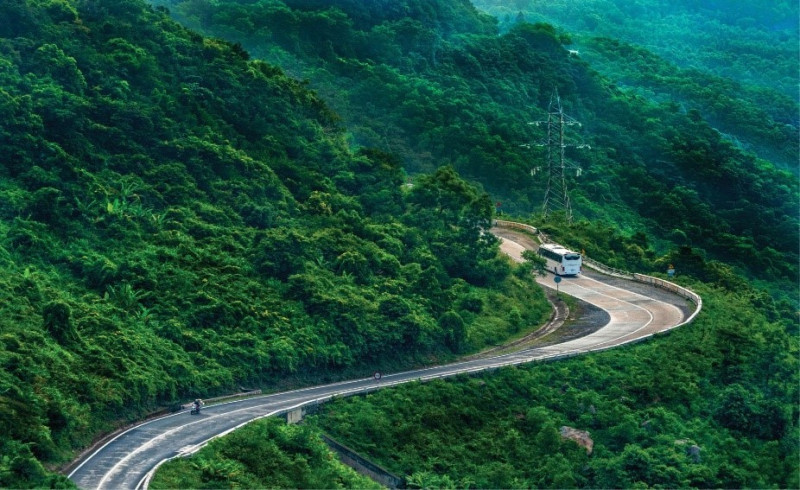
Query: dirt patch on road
{"x": 566, "y": 323}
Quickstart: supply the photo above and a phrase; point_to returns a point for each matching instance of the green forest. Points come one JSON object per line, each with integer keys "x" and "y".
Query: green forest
{"x": 736, "y": 62}
{"x": 439, "y": 84}
{"x": 198, "y": 196}
{"x": 178, "y": 220}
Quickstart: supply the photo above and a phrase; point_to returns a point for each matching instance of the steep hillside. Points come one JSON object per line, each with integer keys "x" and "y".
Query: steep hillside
{"x": 747, "y": 41}
{"x": 177, "y": 220}
{"x": 735, "y": 62}
{"x": 431, "y": 95}
{"x": 711, "y": 405}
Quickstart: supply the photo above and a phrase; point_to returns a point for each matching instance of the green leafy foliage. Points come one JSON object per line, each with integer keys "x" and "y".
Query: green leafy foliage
{"x": 659, "y": 165}
{"x": 692, "y": 409}
{"x": 263, "y": 454}
{"x": 671, "y": 169}
{"x": 178, "y": 220}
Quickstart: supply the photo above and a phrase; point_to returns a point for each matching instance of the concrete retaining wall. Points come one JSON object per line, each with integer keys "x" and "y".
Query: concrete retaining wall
{"x": 363, "y": 465}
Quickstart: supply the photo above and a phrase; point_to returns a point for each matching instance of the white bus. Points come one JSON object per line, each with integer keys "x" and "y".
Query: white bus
{"x": 561, "y": 261}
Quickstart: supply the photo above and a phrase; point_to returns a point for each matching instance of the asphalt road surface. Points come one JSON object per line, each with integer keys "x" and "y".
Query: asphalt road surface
{"x": 127, "y": 460}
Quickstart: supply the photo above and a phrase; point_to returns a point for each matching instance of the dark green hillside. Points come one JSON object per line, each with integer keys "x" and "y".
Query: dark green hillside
{"x": 735, "y": 62}
{"x": 656, "y": 167}
{"x": 660, "y": 186}
{"x": 753, "y": 118}
{"x": 748, "y": 41}
{"x": 713, "y": 405}
{"x": 178, "y": 220}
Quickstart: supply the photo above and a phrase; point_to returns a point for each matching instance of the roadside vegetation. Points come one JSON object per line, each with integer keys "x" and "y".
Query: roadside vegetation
{"x": 296, "y": 191}
{"x": 264, "y": 454}
{"x": 710, "y": 405}
{"x": 671, "y": 180}
{"x": 177, "y": 221}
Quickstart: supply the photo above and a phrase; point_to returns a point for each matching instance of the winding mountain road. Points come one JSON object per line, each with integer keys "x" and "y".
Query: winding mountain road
{"x": 633, "y": 315}
{"x": 127, "y": 460}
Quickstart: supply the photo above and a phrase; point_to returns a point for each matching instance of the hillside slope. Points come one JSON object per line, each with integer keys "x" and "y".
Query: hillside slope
{"x": 736, "y": 63}
{"x": 747, "y": 41}
{"x": 713, "y": 405}
{"x": 418, "y": 88}
{"x": 177, "y": 220}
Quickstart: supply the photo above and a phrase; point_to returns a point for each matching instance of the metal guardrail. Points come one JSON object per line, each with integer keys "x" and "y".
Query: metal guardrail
{"x": 515, "y": 225}
{"x": 604, "y": 269}
{"x": 679, "y": 290}
{"x": 653, "y": 281}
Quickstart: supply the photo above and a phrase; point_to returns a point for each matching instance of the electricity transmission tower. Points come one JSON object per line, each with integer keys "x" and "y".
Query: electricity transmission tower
{"x": 556, "y": 197}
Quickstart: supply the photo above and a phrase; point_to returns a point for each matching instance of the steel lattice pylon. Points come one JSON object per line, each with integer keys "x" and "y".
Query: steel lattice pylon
{"x": 556, "y": 196}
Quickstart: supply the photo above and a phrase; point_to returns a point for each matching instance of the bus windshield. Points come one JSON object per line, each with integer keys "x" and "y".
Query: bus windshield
{"x": 572, "y": 256}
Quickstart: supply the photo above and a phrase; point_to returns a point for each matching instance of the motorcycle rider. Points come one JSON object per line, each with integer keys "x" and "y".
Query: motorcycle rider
{"x": 197, "y": 404}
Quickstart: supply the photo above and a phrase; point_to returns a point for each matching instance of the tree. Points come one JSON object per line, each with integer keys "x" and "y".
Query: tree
{"x": 56, "y": 316}
{"x": 454, "y": 330}
{"x": 457, "y": 214}
{"x": 532, "y": 264}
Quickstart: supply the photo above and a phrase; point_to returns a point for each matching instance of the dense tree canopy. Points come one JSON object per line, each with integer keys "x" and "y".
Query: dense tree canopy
{"x": 685, "y": 170}
{"x": 179, "y": 220}
{"x": 182, "y": 215}
{"x": 658, "y": 165}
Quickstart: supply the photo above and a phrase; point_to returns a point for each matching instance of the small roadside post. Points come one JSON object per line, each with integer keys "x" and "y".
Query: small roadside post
{"x": 557, "y": 279}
